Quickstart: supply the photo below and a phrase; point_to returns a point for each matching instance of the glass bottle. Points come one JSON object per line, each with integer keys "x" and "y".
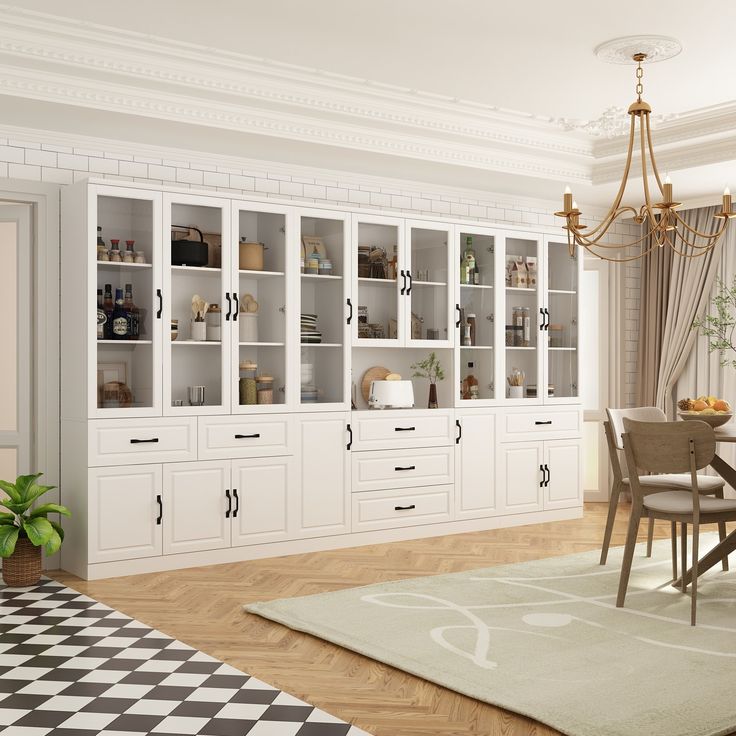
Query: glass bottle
{"x": 134, "y": 326}
{"x": 108, "y": 306}
{"x": 100, "y": 241}
{"x": 467, "y": 271}
{"x": 471, "y": 384}
{"x": 471, "y": 324}
{"x": 101, "y": 316}
{"x": 119, "y": 318}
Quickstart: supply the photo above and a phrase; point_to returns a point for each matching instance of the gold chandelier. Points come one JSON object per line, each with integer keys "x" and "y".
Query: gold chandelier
{"x": 662, "y": 223}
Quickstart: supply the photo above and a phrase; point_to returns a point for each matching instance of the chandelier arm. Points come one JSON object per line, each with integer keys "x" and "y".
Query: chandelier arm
{"x": 651, "y": 154}
{"x": 645, "y": 180}
{"x": 611, "y": 216}
{"x": 582, "y": 240}
{"x": 620, "y": 260}
{"x": 697, "y": 233}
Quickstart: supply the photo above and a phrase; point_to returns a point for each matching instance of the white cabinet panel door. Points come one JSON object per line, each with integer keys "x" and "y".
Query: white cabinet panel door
{"x": 261, "y": 491}
{"x": 475, "y": 461}
{"x": 520, "y": 476}
{"x": 198, "y": 505}
{"x": 563, "y": 488}
{"x": 322, "y": 507}
{"x": 124, "y": 513}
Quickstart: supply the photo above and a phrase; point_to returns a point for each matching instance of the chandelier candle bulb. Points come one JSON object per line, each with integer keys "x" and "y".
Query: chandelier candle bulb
{"x": 727, "y": 201}
{"x": 667, "y": 190}
{"x": 568, "y": 203}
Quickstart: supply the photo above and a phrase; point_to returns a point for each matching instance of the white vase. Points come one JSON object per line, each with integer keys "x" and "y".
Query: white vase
{"x": 248, "y": 327}
{"x": 516, "y": 392}
{"x": 199, "y": 331}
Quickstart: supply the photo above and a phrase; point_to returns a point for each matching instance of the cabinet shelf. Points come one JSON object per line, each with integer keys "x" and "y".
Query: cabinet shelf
{"x": 196, "y": 342}
{"x": 428, "y": 283}
{"x": 197, "y": 269}
{"x": 259, "y": 274}
{"x": 321, "y": 345}
{"x": 561, "y": 291}
{"x": 482, "y": 286}
{"x": 262, "y": 344}
{"x": 124, "y": 343}
{"x": 519, "y": 347}
{"x": 323, "y": 276}
{"x": 377, "y": 282}
{"x": 522, "y": 289}
{"x": 476, "y": 347}
{"x": 115, "y": 266}
{"x": 569, "y": 349}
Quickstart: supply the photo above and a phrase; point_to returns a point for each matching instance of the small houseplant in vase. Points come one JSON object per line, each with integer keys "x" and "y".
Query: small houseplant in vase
{"x": 431, "y": 369}
{"x": 25, "y": 530}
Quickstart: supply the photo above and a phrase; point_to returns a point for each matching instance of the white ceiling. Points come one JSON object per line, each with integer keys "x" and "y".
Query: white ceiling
{"x": 465, "y": 92}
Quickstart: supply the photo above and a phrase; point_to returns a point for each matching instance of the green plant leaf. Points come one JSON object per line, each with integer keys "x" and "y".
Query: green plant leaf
{"x": 17, "y": 508}
{"x": 39, "y": 530}
{"x": 58, "y": 529}
{"x": 52, "y": 546}
{"x": 23, "y": 483}
{"x": 10, "y": 489}
{"x": 6, "y": 517}
{"x": 34, "y": 491}
{"x": 8, "y": 538}
{"x": 49, "y": 508}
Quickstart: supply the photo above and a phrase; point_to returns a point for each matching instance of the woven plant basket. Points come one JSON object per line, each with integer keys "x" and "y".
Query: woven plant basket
{"x": 23, "y": 567}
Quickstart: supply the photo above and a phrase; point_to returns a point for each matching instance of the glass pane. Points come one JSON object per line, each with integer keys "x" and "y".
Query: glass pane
{"x": 125, "y": 324}
{"x": 261, "y": 321}
{"x": 476, "y": 316}
{"x": 322, "y": 311}
{"x": 521, "y": 325}
{"x": 563, "y": 326}
{"x": 429, "y": 284}
{"x": 9, "y": 327}
{"x": 197, "y": 347}
{"x": 377, "y": 303}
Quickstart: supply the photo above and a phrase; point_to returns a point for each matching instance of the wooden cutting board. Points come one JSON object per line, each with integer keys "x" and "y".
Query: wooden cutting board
{"x": 375, "y": 373}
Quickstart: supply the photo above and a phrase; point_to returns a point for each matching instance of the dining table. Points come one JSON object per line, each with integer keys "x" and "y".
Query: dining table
{"x": 724, "y": 434}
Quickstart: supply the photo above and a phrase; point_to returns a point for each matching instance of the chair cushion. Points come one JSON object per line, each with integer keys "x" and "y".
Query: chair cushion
{"x": 706, "y": 483}
{"x": 681, "y": 502}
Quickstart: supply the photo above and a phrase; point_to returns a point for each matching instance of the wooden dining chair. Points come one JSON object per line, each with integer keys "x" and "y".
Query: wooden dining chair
{"x": 653, "y": 483}
{"x": 671, "y": 447}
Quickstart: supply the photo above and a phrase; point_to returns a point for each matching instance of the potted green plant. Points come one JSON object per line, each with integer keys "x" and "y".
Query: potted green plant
{"x": 24, "y": 530}
{"x": 431, "y": 369}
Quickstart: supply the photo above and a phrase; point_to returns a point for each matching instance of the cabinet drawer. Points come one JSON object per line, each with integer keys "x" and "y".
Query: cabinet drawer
{"x": 236, "y": 437}
{"x": 540, "y": 424}
{"x": 135, "y": 441}
{"x": 388, "y": 509}
{"x": 381, "y": 469}
{"x": 389, "y": 429}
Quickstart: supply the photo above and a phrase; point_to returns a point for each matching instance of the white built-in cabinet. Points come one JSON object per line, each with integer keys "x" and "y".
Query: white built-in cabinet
{"x": 157, "y": 482}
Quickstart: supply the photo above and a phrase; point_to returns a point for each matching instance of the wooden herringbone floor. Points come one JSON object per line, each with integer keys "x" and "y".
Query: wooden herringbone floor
{"x": 203, "y": 607}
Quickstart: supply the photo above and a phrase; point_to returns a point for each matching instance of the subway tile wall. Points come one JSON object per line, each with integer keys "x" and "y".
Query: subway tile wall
{"x": 64, "y": 159}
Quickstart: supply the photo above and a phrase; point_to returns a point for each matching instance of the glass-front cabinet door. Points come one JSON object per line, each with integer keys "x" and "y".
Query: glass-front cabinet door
{"x": 261, "y": 284}
{"x": 125, "y": 234}
{"x": 475, "y": 308}
{"x": 378, "y": 287}
{"x": 523, "y": 317}
{"x": 198, "y": 304}
{"x": 326, "y": 312}
{"x": 426, "y": 281}
{"x": 561, "y": 319}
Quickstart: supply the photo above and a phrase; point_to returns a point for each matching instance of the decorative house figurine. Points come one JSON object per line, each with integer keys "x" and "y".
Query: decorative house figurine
{"x": 531, "y": 272}
{"x": 519, "y": 275}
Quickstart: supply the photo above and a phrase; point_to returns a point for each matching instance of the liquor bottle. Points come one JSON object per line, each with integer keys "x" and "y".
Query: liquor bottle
{"x": 101, "y": 316}
{"x": 119, "y": 318}
{"x": 108, "y": 307}
{"x": 469, "y": 261}
{"x": 132, "y": 312}
{"x": 471, "y": 383}
{"x": 100, "y": 241}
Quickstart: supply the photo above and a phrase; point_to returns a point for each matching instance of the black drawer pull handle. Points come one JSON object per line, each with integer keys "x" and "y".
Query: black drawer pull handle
{"x": 549, "y": 421}
{"x": 405, "y": 508}
{"x": 142, "y": 442}
{"x": 237, "y": 503}
{"x": 160, "y": 510}
{"x": 404, "y": 429}
{"x": 407, "y": 467}
{"x": 248, "y": 436}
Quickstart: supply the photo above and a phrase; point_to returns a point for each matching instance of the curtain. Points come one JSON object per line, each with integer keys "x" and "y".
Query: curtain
{"x": 691, "y": 280}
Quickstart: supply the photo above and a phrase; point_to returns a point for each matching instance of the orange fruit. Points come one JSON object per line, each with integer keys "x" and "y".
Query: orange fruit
{"x": 721, "y": 405}
{"x": 699, "y": 405}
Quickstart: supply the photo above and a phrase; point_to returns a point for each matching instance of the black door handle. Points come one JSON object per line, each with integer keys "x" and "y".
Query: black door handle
{"x": 459, "y": 315}
{"x": 404, "y": 429}
{"x": 408, "y": 275}
{"x": 546, "y": 324}
{"x": 541, "y": 482}
{"x": 254, "y": 436}
{"x": 229, "y": 305}
{"x": 160, "y": 303}
{"x": 160, "y": 510}
{"x": 403, "y": 283}
{"x": 142, "y": 442}
{"x": 350, "y": 441}
{"x": 549, "y": 475}
{"x": 237, "y": 306}
{"x": 237, "y": 503}
{"x": 405, "y": 508}
{"x": 350, "y": 315}
{"x": 541, "y": 314}
{"x": 459, "y": 431}
{"x": 548, "y": 421}
{"x": 229, "y": 503}
{"x": 405, "y": 467}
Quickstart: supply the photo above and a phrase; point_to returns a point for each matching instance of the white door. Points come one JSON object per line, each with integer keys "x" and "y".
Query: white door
{"x": 563, "y": 465}
{"x": 261, "y": 497}
{"x": 198, "y": 505}
{"x": 475, "y": 487}
{"x": 322, "y": 508}
{"x": 126, "y": 514}
{"x": 520, "y": 476}
{"x": 16, "y": 450}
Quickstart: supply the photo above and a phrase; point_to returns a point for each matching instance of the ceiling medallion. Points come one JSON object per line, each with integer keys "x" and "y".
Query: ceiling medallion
{"x": 662, "y": 225}
{"x": 623, "y": 50}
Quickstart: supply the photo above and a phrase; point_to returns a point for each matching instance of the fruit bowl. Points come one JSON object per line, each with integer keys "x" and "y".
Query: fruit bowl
{"x": 715, "y": 420}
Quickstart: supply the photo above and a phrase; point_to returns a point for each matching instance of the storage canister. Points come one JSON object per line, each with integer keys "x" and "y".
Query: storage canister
{"x": 247, "y": 384}
{"x": 250, "y": 255}
{"x": 265, "y": 389}
{"x": 213, "y": 318}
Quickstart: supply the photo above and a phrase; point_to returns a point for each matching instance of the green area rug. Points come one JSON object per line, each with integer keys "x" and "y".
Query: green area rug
{"x": 545, "y": 639}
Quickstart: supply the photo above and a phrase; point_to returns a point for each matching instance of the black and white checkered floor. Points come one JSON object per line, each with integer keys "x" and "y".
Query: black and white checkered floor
{"x": 71, "y": 666}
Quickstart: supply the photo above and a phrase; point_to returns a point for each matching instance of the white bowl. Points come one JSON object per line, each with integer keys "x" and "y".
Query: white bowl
{"x": 715, "y": 420}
